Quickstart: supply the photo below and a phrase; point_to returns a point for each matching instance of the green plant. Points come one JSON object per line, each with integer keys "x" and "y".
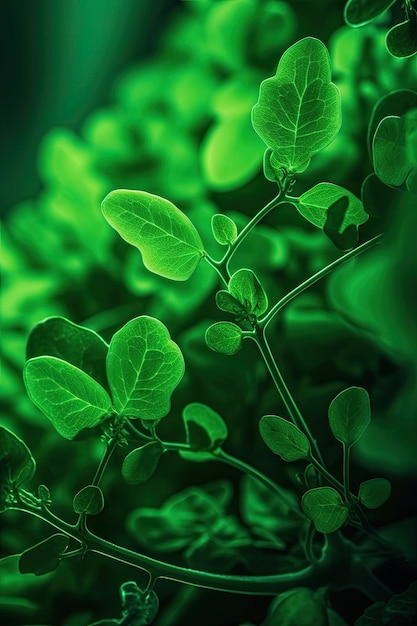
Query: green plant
{"x": 115, "y": 390}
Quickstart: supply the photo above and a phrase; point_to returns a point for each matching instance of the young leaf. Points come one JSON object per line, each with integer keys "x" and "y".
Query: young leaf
{"x": 140, "y": 464}
{"x": 314, "y": 205}
{"x": 68, "y": 397}
{"x": 246, "y": 288}
{"x": 44, "y": 557}
{"x": 204, "y": 428}
{"x": 374, "y": 492}
{"x": 224, "y": 229}
{"x": 284, "y": 438}
{"x": 360, "y": 12}
{"x": 89, "y": 500}
{"x": 144, "y": 366}
{"x": 169, "y": 243}
{"x": 324, "y": 506}
{"x": 224, "y": 337}
{"x": 80, "y": 346}
{"x": 298, "y": 112}
{"x": 389, "y": 151}
{"x": 349, "y": 415}
{"x": 401, "y": 39}
{"x": 17, "y": 464}
{"x": 226, "y": 302}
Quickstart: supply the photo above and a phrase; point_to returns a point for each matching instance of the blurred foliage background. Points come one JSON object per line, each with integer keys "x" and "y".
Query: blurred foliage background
{"x": 157, "y": 96}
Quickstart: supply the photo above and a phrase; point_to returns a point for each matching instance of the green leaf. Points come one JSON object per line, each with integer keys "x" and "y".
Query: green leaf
{"x": 168, "y": 241}
{"x": 68, "y": 397}
{"x": 17, "y": 465}
{"x": 144, "y": 366}
{"x": 324, "y": 506}
{"x": 140, "y": 464}
{"x": 360, "y": 12}
{"x": 298, "y": 606}
{"x": 205, "y": 429}
{"x": 226, "y": 302}
{"x": 80, "y": 346}
{"x": 224, "y": 229}
{"x": 298, "y": 112}
{"x": 89, "y": 500}
{"x": 396, "y": 103}
{"x": 349, "y": 415}
{"x": 44, "y": 557}
{"x": 315, "y": 203}
{"x": 246, "y": 288}
{"x": 224, "y": 337}
{"x": 347, "y": 239}
{"x": 401, "y": 39}
{"x": 389, "y": 150}
{"x": 374, "y": 492}
{"x": 284, "y": 438}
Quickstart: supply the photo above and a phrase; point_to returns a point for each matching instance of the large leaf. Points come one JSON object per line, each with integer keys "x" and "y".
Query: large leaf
{"x": 244, "y": 285}
{"x": 80, "y": 346}
{"x": 17, "y": 464}
{"x": 324, "y": 506}
{"x": 144, "y": 366}
{"x": 298, "y": 112}
{"x": 168, "y": 241}
{"x": 205, "y": 429}
{"x": 349, "y": 415}
{"x": 69, "y": 397}
{"x": 359, "y": 12}
{"x": 283, "y": 438}
{"x": 44, "y": 557}
{"x": 314, "y": 205}
{"x": 141, "y": 463}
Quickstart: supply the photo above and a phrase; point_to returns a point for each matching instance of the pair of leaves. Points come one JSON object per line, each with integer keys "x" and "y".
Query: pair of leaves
{"x": 169, "y": 243}
{"x": 298, "y": 112}
{"x": 244, "y": 296}
{"x": 17, "y": 464}
{"x": 143, "y": 368}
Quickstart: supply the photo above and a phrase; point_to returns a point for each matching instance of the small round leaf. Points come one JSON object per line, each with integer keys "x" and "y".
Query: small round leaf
{"x": 349, "y": 415}
{"x": 283, "y": 438}
{"x": 89, "y": 500}
{"x": 224, "y": 337}
{"x": 324, "y": 506}
{"x": 374, "y": 492}
{"x": 205, "y": 429}
{"x": 140, "y": 464}
{"x": 224, "y": 229}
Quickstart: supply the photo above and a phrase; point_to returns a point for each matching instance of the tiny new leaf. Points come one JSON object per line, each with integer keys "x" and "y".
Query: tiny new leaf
{"x": 245, "y": 287}
{"x": 169, "y": 243}
{"x": 349, "y": 415}
{"x": 324, "y": 506}
{"x": 224, "y": 337}
{"x": 284, "y": 438}
{"x": 205, "y": 429}
{"x": 17, "y": 464}
{"x": 224, "y": 229}
{"x": 298, "y": 112}
{"x": 144, "y": 366}
{"x": 68, "y": 397}
{"x": 315, "y": 204}
{"x": 360, "y": 12}
{"x": 89, "y": 500}
{"x": 140, "y": 464}
{"x": 374, "y": 492}
{"x": 80, "y": 346}
{"x": 44, "y": 557}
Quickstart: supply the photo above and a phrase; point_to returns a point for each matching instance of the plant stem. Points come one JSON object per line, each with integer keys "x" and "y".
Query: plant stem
{"x": 110, "y": 448}
{"x": 219, "y": 267}
{"x": 263, "y": 322}
{"x": 331, "y": 479}
{"x": 346, "y": 470}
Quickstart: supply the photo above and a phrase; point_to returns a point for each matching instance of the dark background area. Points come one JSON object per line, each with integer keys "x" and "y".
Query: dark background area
{"x": 59, "y": 61}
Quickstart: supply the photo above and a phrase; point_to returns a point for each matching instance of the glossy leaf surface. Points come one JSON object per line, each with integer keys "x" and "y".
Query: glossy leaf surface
{"x": 324, "y": 506}
{"x": 360, "y": 12}
{"x": 141, "y": 463}
{"x": 283, "y": 438}
{"x": 374, "y": 492}
{"x": 205, "y": 429}
{"x": 349, "y": 415}
{"x": 89, "y": 500}
{"x": 224, "y": 337}
{"x": 80, "y": 346}
{"x": 144, "y": 366}
{"x": 169, "y": 243}
{"x": 224, "y": 229}
{"x": 298, "y": 111}
{"x": 44, "y": 557}
{"x": 315, "y": 203}
{"x": 244, "y": 285}
{"x": 69, "y": 397}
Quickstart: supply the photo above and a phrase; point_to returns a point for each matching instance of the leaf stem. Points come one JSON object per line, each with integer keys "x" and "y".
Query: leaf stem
{"x": 346, "y": 471}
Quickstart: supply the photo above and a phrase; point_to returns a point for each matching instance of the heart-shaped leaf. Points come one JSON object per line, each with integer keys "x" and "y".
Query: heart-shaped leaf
{"x": 89, "y": 500}
{"x": 205, "y": 429}
{"x": 324, "y": 506}
{"x": 224, "y": 337}
{"x": 284, "y": 438}
{"x": 140, "y": 464}
{"x": 349, "y": 415}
